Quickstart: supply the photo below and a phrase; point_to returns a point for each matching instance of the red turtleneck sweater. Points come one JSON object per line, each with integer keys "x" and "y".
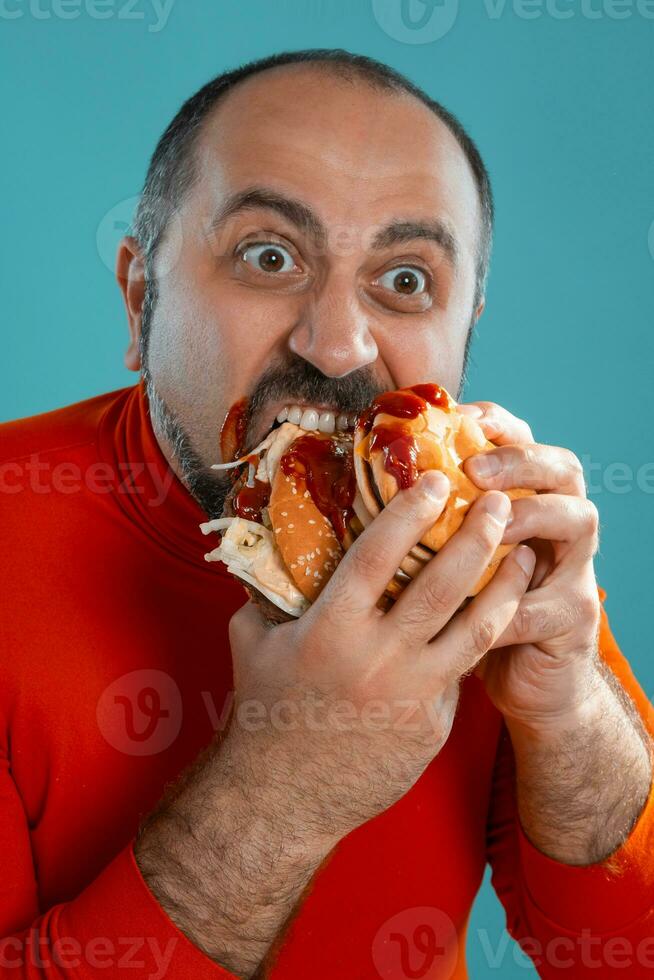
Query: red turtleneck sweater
{"x": 116, "y": 672}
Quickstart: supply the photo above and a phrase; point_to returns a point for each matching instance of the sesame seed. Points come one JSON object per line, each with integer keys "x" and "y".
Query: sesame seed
{"x": 277, "y": 530}
{"x": 315, "y": 574}
{"x": 307, "y": 571}
{"x": 290, "y": 526}
{"x": 311, "y": 521}
{"x": 306, "y": 493}
{"x": 284, "y": 513}
{"x": 293, "y": 564}
{"x": 317, "y": 551}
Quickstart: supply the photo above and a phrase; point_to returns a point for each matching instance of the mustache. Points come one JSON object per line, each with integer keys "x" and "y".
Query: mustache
{"x": 298, "y": 380}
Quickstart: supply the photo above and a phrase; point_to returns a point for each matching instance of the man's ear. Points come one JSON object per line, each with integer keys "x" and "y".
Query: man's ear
{"x": 131, "y": 280}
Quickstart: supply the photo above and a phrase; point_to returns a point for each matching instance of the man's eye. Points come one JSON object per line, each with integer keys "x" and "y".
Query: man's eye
{"x": 268, "y": 257}
{"x": 406, "y": 280}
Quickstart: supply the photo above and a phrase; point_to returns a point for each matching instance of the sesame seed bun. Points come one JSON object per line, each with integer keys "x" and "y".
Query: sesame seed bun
{"x": 443, "y": 440}
{"x": 306, "y": 539}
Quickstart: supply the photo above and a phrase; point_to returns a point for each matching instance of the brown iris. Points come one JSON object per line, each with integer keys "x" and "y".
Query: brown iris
{"x": 271, "y": 260}
{"x": 406, "y": 282}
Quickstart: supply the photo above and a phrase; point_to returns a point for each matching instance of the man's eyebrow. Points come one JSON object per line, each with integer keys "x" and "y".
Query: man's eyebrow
{"x": 401, "y": 232}
{"x": 306, "y": 220}
{"x": 299, "y": 214}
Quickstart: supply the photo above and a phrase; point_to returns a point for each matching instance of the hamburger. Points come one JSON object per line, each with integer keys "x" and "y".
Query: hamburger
{"x": 303, "y": 496}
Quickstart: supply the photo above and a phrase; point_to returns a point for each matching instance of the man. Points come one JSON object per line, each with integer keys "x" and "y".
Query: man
{"x": 313, "y": 230}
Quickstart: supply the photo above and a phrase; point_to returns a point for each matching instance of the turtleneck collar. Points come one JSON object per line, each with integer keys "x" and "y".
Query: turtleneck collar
{"x": 147, "y": 489}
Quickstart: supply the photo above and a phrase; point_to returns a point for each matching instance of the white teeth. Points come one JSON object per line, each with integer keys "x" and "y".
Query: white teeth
{"x": 327, "y": 422}
{"x": 309, "y": 419}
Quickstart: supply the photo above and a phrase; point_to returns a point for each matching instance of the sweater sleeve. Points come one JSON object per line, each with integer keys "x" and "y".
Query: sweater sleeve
{"x": 114, "y": 924}
{"x": 589, "y": 920}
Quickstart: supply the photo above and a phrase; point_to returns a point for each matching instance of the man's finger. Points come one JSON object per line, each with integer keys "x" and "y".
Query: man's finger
{"x": 472, "y": 632}
{"x": 371, "y": 562}
{"x": 431, "y": 600}
{"x": 535, "y": 467}
{"x": 247, "y": 626}
{"x": 498, "y": 424}
{"x": 554, "y": 517}
{"x": 552, "y": 611}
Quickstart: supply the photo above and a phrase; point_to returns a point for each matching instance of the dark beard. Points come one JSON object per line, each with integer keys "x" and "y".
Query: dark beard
{"x": 207, "y": 486}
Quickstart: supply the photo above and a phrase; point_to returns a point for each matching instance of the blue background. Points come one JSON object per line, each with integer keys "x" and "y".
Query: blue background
{"x": 562, "y": 109}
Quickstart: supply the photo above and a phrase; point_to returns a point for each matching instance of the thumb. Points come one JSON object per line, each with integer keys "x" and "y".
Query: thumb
{"x": 247, "y": 627}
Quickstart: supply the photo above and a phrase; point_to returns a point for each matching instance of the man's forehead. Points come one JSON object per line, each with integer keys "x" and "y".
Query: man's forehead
{"x": 352, "y": 152}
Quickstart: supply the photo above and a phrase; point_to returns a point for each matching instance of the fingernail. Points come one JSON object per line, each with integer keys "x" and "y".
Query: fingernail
{"x": 526, "y": 558}
{"x": 498, "y": 506}
{"x": 485, "y": 466}
{"x": 435, "y": 484}
{"x": 474, "y": 410}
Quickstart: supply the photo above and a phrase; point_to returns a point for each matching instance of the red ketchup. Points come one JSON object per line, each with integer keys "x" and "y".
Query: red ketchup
{"x": 397, "y": 442}
{"x": 328, "y": 470}
{"x": 400, "y": 453}
{"x": 233, "y": 429}
{"x": 249, "y": 501}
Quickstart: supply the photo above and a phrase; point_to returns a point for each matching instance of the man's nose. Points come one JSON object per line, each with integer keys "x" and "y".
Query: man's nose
{"x": 333, "y": 331}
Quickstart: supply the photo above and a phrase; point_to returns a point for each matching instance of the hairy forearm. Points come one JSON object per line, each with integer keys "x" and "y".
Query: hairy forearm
{"x": 581, "y": 789}
{"x": 226, "y": 860}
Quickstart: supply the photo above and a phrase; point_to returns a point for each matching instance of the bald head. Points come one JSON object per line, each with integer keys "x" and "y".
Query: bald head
{"x": 173, "y": 168}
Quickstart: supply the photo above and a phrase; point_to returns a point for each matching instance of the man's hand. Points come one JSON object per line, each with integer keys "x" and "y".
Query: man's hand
{"x": 354, "y": 660}
{"x": 582, "y": 753}
{"x": 347, "y": 707}
{"x": 544, "y": 666}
